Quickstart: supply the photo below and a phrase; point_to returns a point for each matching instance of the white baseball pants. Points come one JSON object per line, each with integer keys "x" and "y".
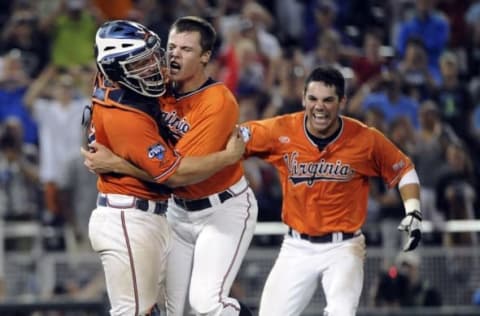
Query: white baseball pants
{"x": 296, "y": 272}
{"x": 208, "y": 247}
{"x": 133, "y": 246}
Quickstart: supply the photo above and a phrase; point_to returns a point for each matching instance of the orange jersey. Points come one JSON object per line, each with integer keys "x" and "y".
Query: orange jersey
{"x": 119, "y": 123}
{"x": 325, "y": 191}
{"x": 203, "y": 121}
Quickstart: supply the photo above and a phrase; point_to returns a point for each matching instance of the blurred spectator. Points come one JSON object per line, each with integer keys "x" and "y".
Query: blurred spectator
{"x": 323, "y": 16}
{"x": 289, "y": 16}
{"x": 375, "y": 117}
{"x": 456, "y": 191}
{"x": 57, "y": 110}
{"x": 262, "y": 177}
{"x": 251, "y": 70}
{"x": 431, "y": 142}
{"x": 455, "y": 13}
{"x": 81, "y": 192}
{"x": 19, "y": 181}
{"x": 453, "y": 97}
{"x": 419, "y": 79}
{"x": 292, "y": 74}
{"x": 83, "y": 77}
{"x": 247, "y": 42}
{"x": 472, "y": 15}
{"x": 476, "y": 122}
{"x": 22, "y": 32}
{"x": 472, "y": 50}
{"x": 6, "y": 8}
{"x": 73, "y": 27}
{"x": 429, "y": 26}
{"x": 159, "y": 16}
{"x": 403, "y": 285}
{"x": 370, "y": 63}
{"x": 256, "y": 24}
{"x": 330, "y": 52}
{"x": 13, "y": 84}
{"x": 320, "y": 16}
{"x": 476, "y": 297}
{"x": 385, "y": 93}
{"x": 402, "y": 133}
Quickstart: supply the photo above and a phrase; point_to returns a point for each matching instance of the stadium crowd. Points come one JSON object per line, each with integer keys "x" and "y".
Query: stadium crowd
{"x": 413, "y": 70}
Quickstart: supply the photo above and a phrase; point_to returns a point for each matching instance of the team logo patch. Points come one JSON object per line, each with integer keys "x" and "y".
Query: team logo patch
{"x": 156, "y": 151}
{"x": 398, "y": 165}
{"x": 245, "y": 132}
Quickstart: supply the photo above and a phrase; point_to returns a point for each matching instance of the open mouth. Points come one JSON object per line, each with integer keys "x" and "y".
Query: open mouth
{"x": 174, "y": 67}
{"x": 320, "y": 117}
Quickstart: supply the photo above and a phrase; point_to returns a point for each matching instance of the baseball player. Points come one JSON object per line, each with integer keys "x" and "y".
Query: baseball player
{"x": 212, "y": 221}
{"x": 128, "y": 228}
{"x": 324, "y": 161}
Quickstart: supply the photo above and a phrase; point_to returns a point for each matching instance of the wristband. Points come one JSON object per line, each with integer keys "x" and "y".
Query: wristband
{"x": 411, "y": 205}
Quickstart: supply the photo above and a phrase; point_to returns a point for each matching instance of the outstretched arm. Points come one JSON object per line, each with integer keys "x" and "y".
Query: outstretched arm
{"x": 191, "y": 169}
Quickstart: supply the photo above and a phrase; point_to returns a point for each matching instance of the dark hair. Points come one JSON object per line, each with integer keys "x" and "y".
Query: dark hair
{"x": 416, "y": 41}
{"x": 330, "y": 76}
{"x": 208, "y": 35}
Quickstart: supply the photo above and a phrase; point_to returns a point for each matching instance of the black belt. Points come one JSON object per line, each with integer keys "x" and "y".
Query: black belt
{"x": 200, "y": 204}
{"x": 140, "y": 204}
{"x": 330, "y": 237}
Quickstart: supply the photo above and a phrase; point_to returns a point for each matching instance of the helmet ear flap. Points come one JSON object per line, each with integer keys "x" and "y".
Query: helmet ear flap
{"x": 151, "y": 41}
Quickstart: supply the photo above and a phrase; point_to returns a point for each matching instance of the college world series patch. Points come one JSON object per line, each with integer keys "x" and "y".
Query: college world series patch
{"x": 156, "y": 151}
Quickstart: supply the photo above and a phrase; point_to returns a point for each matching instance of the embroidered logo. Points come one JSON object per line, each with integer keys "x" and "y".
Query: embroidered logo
{"x": 179, "y": 126}
{"x": 284, "y": 139}
{"x": 311, "y": 172}
{"x": 156, "y": 151}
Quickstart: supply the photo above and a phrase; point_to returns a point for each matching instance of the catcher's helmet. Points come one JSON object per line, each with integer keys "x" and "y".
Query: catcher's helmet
{"x": 130, "y": 54}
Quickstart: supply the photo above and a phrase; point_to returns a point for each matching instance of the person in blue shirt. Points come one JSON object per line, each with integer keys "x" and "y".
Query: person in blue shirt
{"x": 390, "y": 100}
{"x": 428, "y": 25}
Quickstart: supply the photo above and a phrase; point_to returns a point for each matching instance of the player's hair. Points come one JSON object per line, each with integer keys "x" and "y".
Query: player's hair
{"x": 330, "y": 76}
{"x": 208, "y": 35}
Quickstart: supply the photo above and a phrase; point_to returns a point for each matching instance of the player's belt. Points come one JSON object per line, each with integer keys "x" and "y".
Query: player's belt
{"x": 212, "y": 200}
{"x": 200, "y": 204}
{"x": 125, "y": 202}
{"x": 330, "y": 237}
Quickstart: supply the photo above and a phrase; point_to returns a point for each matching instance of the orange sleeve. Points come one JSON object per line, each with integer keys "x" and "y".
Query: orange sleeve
{"x": 390, "y": 162}
{"x": 211, "y": 125}
{"x": 260, "y": 142}
{"x": 135, "y": 137}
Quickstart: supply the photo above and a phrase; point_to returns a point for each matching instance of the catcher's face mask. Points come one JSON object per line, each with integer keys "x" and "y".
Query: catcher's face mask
{"x": 130, "y": 54}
